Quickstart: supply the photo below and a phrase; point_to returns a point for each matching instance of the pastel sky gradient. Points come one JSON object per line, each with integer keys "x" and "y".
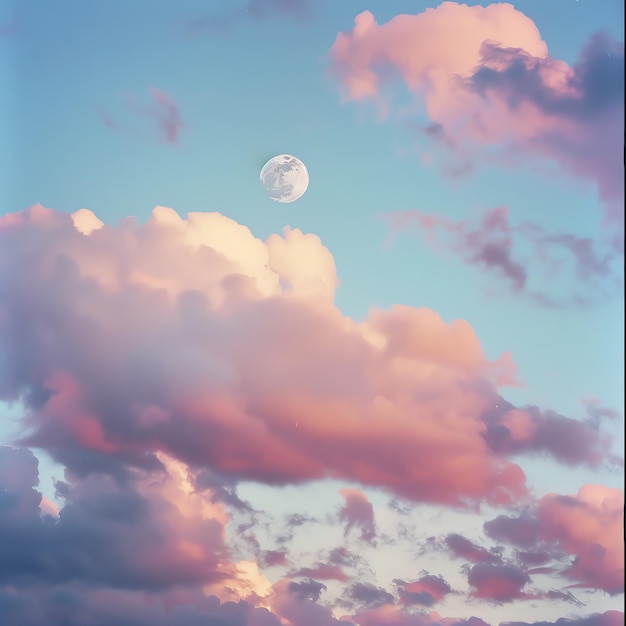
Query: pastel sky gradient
{"x": 397, "y": 401}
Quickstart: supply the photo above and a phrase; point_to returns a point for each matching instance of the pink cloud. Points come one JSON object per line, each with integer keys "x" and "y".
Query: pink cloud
{"x": 151, "y": 548}
{"x": 163, "y": 111}
{"x": 297, "y": 604}
{"x": 358, "y": 512}
{"x": 498, "y": 583}
{"x": 245, "y": 368}
{"x": 590, "y": 526}
{"x": 528, "y": 430}
{"x": 486, "y": 80}
{"x": 587, "y": 526}
{"x": 516, "y": 252}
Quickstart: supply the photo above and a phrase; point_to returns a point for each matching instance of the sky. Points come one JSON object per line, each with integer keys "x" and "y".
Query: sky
{"x": 396, "y": 401}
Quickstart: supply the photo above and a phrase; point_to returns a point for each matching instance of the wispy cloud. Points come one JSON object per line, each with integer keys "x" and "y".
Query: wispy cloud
{"x": 162, "y": 110}
{"x": 513, "y": 252}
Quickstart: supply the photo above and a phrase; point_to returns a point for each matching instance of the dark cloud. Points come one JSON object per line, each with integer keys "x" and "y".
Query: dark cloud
{"x": 530, "y": 430}
{"x": 342, "y": 556}
{"x": 106, "y": 534}
{"x": 587, "y": 527}
{"x": 222, "y": 488}
{"x": 310, "y": 589}
{"x": 273, "y": 558}
{"x": 368, "y": 595}
{"x": 358, "y": 512}
{"x": 535, "y": 558}
{"x": 424, "y": 591}
{"x": 465, "y": 549}
{"x": 523, "y": 530}
{"x": 608, "y": 618}
{"x": 595, "y": 103}
{"x": 497, "y": 583}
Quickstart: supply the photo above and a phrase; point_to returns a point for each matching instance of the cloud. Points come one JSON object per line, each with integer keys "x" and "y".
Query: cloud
{"x": 463, "y": 548}
{"x": 529, "y": 430}
{"x": 358, "y": 512}
{"x": 195, "y": 339}
{"x": 162, "y": 110}
{"x": 388, "y": 615}
{"x": 367, "y": 595}
{"x": 587, "y": 526}
{"x": 322, "y": 571}
{"x": 310, "y": 589}
{"x": 608, "y": 618}
{"x": 497, "y": 583}
{"x": 424, "y": 591}
{"x": 151, "y": 550}
{"x": 65, "y": 604}
{"x": 585, "y": 271}
{"x": 164, "y": 363}
{"x": 492, "y": 91}
{"x": 107, "y": 534}
{"x": 523, "y": 530}
{"x": 297, "y": 603}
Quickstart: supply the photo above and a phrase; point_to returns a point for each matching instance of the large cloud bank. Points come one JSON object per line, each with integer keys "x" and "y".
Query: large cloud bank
{"x": 490, "y": 88}
{"x": 163, "y": 363}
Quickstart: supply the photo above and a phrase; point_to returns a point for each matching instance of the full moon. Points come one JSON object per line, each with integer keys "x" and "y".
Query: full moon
{"x": 285, "y": 178}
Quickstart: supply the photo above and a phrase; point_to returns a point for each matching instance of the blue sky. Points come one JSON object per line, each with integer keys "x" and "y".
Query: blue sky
{"x": 82, "y": 130}
{"x": 257, "y": 90}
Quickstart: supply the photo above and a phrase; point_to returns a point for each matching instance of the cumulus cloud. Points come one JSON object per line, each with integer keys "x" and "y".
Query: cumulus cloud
{"x": 164, "y": 363}
{"x": 588, "y": 526}
{"x": 244, "y": 367}
{"x": 488, "y": 83}
{"x": 60, "y": 605}
{"x": 152, "y": 550}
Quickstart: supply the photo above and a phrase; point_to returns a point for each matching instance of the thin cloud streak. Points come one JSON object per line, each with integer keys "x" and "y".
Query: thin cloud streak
{"x": 163, "y": 111}
{"x": 519, "y": 253}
